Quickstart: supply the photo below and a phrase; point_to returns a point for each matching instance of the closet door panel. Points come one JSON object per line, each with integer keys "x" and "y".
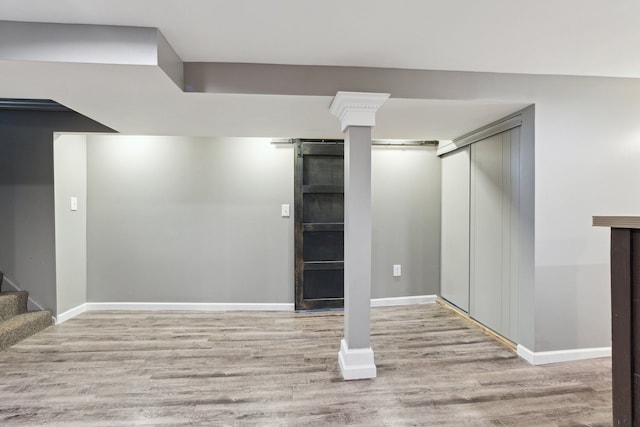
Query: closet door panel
{"x": 486, "y": 258}
{"x": 454, "y": 271}
{"x": 494, "y": 214}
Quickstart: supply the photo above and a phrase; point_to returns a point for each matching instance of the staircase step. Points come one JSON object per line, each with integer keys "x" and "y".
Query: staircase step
{"x": 22, "y": 326}
{"x": 12, "y": 304}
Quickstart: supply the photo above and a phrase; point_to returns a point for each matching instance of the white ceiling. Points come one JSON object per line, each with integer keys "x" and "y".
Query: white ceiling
{"x": 573, "y": 37}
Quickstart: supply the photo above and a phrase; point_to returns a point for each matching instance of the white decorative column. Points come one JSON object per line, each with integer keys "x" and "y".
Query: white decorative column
{"x": 357, "y": 113}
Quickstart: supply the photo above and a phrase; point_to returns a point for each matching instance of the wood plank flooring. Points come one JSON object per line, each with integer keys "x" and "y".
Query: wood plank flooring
{"x": 280, "y": 369}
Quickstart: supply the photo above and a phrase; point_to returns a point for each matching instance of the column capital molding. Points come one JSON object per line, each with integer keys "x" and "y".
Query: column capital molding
{"x": 357, "y": 108}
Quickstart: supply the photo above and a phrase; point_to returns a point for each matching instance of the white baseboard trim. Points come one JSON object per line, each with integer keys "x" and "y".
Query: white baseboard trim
{"x": 418, "y": 299}
{"x": 545, "y": 357}
{"x": 169, "y": 306}
{"x": 356, "y": 364}
{"x": 70, "y": 314}
{"x": 189, "y": 306}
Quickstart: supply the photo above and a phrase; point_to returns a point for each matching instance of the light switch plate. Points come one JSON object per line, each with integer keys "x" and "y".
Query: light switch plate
{"x": 285, "y": 211}
{"x": 74, "y": 203}
{"x": 397, "y": 270}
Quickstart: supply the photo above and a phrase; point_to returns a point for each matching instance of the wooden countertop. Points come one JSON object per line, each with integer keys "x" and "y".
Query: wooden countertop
{"x": 617, "y": 221}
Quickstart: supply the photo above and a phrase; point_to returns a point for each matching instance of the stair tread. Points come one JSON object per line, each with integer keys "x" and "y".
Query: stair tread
{"x": 14, "y": 293}
{"x": 23, "y": 325}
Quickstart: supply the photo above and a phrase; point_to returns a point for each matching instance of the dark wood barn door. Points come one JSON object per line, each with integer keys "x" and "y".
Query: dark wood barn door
{"x": 319, "y": 225}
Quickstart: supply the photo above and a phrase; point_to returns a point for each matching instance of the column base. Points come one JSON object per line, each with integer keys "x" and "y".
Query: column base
{"x": 356, "y": 364}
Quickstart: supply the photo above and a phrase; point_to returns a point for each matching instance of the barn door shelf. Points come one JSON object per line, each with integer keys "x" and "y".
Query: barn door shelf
{"x": 319, "y": 225}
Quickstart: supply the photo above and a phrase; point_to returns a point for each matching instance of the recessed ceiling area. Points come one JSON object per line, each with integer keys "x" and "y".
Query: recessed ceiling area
{"x": 143, "y": 100}
{"x": 496, "y": 36}
{"x": 586, "y": 37}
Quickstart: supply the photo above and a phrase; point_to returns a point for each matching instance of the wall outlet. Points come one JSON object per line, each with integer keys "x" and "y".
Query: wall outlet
{"x": 397, "y": 270}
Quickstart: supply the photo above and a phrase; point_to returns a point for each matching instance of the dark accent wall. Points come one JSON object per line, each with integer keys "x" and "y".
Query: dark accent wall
{"x": 27, "y": 216}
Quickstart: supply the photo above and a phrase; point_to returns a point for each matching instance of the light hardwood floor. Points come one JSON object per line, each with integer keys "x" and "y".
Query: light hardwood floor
{"x": 271, "y": 369}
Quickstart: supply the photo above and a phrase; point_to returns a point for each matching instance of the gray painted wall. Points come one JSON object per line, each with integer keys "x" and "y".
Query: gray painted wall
{"x": 406, "y": 221}
{"x": 27, "y": 237}
{"x": 174, "y": 219}
{"x": 70, "y": 180}
{"x": 179, "y": 219}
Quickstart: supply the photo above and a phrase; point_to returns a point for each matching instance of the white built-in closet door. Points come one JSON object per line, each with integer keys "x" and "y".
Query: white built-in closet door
{"x": 494, "y": 192}
{"x": 454, "y": 258}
